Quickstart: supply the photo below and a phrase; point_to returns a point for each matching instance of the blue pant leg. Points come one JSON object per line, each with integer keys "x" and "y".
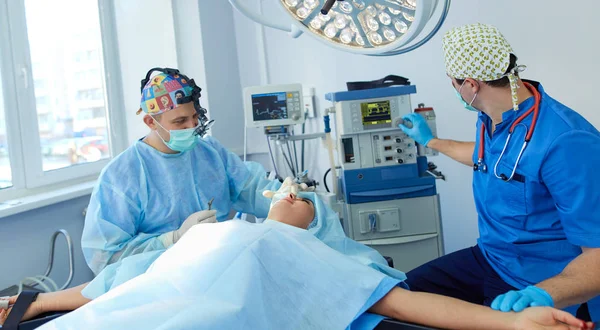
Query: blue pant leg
{"x": 493, "y": 284}
{"x": 459, "y": 274}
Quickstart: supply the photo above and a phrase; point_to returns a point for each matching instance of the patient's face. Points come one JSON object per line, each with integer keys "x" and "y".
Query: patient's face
{"x": 294, "y": 211}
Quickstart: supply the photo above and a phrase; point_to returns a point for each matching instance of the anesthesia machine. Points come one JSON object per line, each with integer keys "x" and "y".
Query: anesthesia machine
{"x": 388, "y": 187}
{"x": 386, "y": 191}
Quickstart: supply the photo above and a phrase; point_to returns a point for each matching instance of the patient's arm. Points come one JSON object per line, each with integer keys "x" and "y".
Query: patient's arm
{"x": 65, "y": 300}
{"x": 449, "y": 313}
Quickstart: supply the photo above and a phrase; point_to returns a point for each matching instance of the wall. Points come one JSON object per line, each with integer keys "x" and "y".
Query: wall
{"x": 188, "y": 37}
{"x": 25, "y": 243}
{"x": 195, "y": 36}
{"x": 221, "y": 72}
{"x": 557, "y": 51}
{"x": 146, "y": 39}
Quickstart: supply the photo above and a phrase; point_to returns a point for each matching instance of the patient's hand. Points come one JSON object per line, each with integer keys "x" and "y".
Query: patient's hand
{"x": 35, "y": 309}
{"x": 548, "y": 318}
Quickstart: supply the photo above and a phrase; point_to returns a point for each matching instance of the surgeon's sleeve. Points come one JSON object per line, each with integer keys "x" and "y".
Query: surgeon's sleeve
{"x": 570, "y": 171}
{"x": 111, "y": 229}
{"x": 247, "y": 181}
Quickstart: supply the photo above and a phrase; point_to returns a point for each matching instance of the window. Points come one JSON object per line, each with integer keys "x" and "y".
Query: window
{"x": 40, "y": 84}
{"x": 95, "y": 94}
{"x": 5, "y": 170}
{"x": 56, "y": 124}
{"x": 42, "y": 100}
{"x": 92, "y": 55}
{"x": 87, "y": 77}
{"x": 85, "y": 114}
{"x": 98, "y": 112}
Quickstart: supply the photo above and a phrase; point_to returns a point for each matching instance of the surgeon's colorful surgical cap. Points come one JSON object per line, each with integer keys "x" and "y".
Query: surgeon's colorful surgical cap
{"x": 481, "y": 52}
{"x": 164, "y": 92}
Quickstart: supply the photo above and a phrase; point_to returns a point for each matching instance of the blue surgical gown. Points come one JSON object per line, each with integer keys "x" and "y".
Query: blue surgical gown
{"x": 532, "y": 226}
{"x": 144, "y": 193}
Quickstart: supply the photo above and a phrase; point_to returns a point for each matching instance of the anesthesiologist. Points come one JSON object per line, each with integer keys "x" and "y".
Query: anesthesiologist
{"x": 398, "y": 303}
{"x": 153, "y": 192}
{"x": 537, "y": 193}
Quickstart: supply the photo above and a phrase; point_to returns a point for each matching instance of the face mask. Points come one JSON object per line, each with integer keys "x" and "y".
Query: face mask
{"x": 467, "y": 106}
{"x": 181, "y": 139}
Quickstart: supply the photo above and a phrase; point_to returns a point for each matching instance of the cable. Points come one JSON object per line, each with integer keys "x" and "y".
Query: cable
{"x": 287, "y": 144}
{"x": 38, "y": 280}
{"x": 44, "y": 282}
{"x": 295, "y": 156}
{"x": 287, "y": 160}
{"x": 272, "y": 159}
{"x": 303, "y": 131}
{"x": 245, "y": 142}
{"x": 325, "y": 177}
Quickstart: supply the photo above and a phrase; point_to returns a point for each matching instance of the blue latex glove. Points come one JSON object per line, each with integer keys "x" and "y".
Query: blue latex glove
{"x": 419, "y": 131}
{"x": 517, "y": 301}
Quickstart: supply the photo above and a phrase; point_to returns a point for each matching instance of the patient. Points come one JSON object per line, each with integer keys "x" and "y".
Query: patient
{"x": 398, "y": 303}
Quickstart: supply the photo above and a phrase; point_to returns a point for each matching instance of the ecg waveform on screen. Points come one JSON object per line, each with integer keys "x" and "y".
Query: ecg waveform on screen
{"x": 268, "y": 113}
{"x": 269, "y": 107}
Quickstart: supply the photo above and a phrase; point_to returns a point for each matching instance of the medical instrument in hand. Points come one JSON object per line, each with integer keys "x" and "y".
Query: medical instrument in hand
{"x": 210, "y": 202}
{"x": 535, "y": 109}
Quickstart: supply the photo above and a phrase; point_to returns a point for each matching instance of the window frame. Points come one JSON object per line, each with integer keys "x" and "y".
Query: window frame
{"x": 23, "y": 138}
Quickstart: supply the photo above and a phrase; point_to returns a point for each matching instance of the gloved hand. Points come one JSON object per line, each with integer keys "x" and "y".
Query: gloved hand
{"x": 288, "y": 186}
{"x": 206, "y": 216}
{"x": 420, "y": 131}
{"x": 531, "y": 296}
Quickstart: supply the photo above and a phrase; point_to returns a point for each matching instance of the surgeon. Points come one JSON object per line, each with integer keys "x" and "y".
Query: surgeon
{"x": 535, "y": 185}
{"x": 173, "y": 178}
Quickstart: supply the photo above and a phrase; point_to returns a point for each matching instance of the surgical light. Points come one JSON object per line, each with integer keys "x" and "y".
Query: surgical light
{"x": 370, "y": 27}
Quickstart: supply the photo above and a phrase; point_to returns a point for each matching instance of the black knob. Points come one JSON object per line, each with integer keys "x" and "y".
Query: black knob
{"x": 400, "y": 161}
{"x": 398, "y": 140}
{"x": 398, "y": 150}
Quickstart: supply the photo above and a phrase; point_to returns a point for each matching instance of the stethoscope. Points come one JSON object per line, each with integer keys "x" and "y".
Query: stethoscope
{"x": 481, "y": 166}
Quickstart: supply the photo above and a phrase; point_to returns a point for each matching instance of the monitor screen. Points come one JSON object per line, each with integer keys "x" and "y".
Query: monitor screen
{"x": 269, "y": 106}
{"x": 376, "y": 113}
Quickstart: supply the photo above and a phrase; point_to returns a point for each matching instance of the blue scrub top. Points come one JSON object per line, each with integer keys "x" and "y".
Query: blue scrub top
{"x": 144, "y": 193}
{"x": 533, "y": 226}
